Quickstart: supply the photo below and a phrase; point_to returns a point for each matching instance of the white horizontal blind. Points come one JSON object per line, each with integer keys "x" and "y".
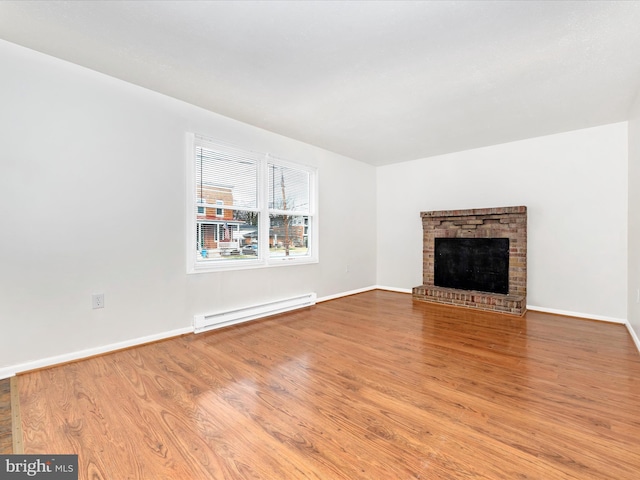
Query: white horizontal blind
{"x": 289, "y": 196}
{"x": 226, "y": 210}
{"x": 227, "y": 171}
{"x": 288, "y": 189}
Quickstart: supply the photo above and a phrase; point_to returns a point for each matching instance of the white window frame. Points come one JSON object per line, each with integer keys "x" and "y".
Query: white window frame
{"x": 263, "y": 259}
{"x": 220, "y": 209}
{"x": 201, "y": 206}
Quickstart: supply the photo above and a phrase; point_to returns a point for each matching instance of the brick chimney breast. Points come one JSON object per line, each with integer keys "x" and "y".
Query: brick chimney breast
{"x": 500, "y": 222}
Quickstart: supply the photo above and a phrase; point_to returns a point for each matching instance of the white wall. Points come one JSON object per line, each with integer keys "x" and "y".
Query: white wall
{"x": 634, "y": 218}
{"x": 575, "y": 187}
{"x": 92, "y": 199}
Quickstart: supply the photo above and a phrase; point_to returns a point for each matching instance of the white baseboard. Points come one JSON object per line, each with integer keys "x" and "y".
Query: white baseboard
{"x": 635, "y": 338}
{"x": 7, "y": 372}
{"x": 362, "y": 290}
{"x": 586, "y": 316}
{"x": 394, "y": 289}
{"x": 346, "y": 294}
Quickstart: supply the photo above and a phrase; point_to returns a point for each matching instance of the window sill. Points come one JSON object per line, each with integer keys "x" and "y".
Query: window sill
{"x": 225, "y": 266}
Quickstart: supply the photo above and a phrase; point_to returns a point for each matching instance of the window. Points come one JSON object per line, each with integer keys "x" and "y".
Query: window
{"x": 248, "y": 209}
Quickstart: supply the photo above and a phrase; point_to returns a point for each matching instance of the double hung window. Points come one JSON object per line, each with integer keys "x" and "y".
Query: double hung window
{"x": 248, "y": 209}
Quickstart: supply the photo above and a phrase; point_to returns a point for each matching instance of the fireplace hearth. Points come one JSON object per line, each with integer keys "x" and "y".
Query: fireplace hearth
{"x": 475, "y": 258}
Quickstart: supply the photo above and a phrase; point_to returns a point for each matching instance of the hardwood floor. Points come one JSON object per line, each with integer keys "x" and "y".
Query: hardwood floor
{"x": 6, "y": 442}
{"x": 371, "y": 386}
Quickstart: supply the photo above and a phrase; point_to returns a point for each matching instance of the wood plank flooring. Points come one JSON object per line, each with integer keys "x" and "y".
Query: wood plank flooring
{"x": 6, "y": 442}
{"x": 371, "y": 386}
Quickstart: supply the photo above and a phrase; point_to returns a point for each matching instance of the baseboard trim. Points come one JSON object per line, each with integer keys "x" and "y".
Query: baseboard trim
{"x": 7, "y": 372}
{"x": 585, "y": 316}
{"x": 345, "y": 294}
{"x": 362, "y": 290}
{"x": 634, "y": 337}
{"x": 394, "y": 289}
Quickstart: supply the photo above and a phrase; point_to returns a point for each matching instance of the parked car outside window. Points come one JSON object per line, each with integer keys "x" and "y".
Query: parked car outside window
{"x": 250, "y": 250}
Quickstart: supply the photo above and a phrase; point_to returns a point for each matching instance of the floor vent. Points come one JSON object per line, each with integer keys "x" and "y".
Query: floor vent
{"x": 202, "y": 323}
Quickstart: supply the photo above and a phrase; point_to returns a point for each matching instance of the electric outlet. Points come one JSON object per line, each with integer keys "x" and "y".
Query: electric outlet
{"x": 346, "y": 268}
{"x": 97, "y": 300}
{"x": 638, "y": 295}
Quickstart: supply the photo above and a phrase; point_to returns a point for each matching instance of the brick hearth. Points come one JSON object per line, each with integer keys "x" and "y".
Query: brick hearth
{"x": 502, "y": 222}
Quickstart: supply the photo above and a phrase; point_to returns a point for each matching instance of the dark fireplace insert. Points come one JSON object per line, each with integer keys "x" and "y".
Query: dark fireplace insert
{"x": 480, "y": 264}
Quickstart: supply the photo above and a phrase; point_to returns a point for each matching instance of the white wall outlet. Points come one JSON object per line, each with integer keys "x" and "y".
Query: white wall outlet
{"x": 97, "y": 300}
{"x": 638, "y": 295}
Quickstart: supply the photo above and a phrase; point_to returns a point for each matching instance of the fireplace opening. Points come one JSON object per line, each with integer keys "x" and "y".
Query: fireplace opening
{"x": 480, "y": 264}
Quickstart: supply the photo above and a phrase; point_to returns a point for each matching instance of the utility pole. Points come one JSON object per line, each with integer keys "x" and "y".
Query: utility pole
{"x": 285, "y": 217}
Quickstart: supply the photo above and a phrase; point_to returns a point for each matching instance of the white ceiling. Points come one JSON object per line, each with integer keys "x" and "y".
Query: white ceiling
{"x": 381, "y": 82}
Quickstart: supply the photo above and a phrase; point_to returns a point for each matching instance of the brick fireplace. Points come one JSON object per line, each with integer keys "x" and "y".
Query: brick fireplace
{"x": 502, "y": 222}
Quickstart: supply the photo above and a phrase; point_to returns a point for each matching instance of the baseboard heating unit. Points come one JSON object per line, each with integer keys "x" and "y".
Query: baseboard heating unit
{"x": 202, "y": 323}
